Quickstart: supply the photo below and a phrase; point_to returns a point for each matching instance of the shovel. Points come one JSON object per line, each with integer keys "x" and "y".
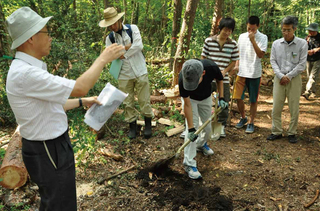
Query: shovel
{"x": 159, "y": 166}
{"x": 215, "y": 125}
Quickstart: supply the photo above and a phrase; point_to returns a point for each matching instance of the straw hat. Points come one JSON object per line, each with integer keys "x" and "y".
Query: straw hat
{"x": 23, "y": 24}
{"x": 110, "y": 17}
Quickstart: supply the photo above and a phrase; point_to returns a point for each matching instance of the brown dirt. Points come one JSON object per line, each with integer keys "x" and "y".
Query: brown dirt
{"x": 245, "y": 173}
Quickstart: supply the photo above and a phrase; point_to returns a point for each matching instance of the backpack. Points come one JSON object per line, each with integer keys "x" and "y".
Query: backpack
{"x": 129, "y": 32}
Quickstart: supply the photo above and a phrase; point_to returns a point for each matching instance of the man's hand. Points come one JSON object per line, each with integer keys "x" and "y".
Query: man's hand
{"x": 284, "y": 80}
{"x": 234, "y": 71}
{"x": 127, "y": 46}
{"x": 112, "y": 52}
{"x": 191, "y": 134}
{"x": 251, "y": 36}
{"x": 310, "y": 52}
{"x": 89, "y": 101}
{"x": 223, "y": 104}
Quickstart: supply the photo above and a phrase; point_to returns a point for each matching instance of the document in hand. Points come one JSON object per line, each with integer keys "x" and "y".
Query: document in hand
{"x": 115, "y": 68}
{"x": 110, "y": 98}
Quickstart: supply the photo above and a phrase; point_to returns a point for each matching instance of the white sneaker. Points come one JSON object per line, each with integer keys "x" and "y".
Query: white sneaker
{"x": 206, "y": 150}
{"x": 183, "y": 134}
{"x": 223, "y": 133}
{"x": 193, "y": 172}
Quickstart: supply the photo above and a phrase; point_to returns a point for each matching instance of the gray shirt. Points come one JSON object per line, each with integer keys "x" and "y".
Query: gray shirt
{"x": 289, "y": 59}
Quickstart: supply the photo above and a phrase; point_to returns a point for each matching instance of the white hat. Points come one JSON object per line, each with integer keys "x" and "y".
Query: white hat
{"x": 110, "y": 17}
{"x": 23, "y": 24}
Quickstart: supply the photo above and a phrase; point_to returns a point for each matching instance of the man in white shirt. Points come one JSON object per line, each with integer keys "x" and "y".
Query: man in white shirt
{"x": 39, "y": 101}
{"x": 288, "y": 60}
{"x": 252, "y": 47}
{"x": 133, "y": 74}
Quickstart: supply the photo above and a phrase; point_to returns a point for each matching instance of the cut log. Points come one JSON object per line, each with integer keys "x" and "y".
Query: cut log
{"x": 13, "y": 173}
{"x": 165, "y": 121}
{"x": 142, "y": 123}
{"x": 158, "y": 99}
{"x": 266, "y": 81}
{"x": 175, "y": 131}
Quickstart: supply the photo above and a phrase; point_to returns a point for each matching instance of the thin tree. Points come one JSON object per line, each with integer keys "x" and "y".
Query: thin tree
{"x": 217, "y": 15}
{"x": 176, "y": 22}
{"x": 184, "y": 38}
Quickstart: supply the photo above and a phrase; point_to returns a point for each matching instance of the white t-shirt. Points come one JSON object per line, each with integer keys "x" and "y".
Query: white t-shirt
{"x": 37, "y": 98}
{"x": 249, "y": 63}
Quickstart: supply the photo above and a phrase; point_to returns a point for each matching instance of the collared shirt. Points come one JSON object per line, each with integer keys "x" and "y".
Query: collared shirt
{"x": 37, "y": 98}
{"x": 134, "y": 64}
{"x": 250, "y": 64}
{"x": 221, "y": 55}
{"x": 289, "y": 59}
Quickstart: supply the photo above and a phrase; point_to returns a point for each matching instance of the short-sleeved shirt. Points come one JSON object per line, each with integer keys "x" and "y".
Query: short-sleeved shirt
{"x": 250, "y": 64}
{"x": 37, "y": 98}
{"x": 221, "y": 55}
{"x": 314, "y": 42}
{"x": 203, "y": 91}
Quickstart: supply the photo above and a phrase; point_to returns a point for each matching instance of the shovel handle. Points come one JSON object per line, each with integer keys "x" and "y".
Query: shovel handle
{"x": 217, "y": 111}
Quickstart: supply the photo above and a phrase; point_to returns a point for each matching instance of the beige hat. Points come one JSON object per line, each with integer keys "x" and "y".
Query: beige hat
{"x": 23, "y": 24}
{"x": 110, "y": 17}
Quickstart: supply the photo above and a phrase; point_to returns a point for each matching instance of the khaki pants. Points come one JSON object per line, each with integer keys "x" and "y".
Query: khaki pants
{"x": 141, "y": 86}
{"x": 313, "y": 71}
{"x": 291, "y": 91}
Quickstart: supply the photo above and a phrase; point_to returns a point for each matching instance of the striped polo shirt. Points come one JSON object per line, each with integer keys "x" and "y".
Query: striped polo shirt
{"x": 222, "y": 56}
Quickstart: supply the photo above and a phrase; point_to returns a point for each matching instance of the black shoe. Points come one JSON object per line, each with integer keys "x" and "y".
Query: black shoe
{"x": 292, "y": 139}
{"x": 306, "y": 95}
{"x": 147, "y": 130}
{"x": 133, "y": 130}
{"x": 273, "y": 137}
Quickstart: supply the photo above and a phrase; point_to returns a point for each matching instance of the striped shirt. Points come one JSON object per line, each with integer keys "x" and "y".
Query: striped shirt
{"x": 250, "y": 64}
{"x": 222, "y": 56}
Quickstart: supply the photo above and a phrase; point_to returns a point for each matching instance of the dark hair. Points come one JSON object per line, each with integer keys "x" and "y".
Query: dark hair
{"x": 290, "y": 20}
{"x": 253, "y": 20}
{"x": 227, "y": 22}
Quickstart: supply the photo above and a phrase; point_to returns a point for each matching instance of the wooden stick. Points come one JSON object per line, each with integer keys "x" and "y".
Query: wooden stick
{"x": 112, "y": 176}
{"x": 4, "y": 143}
{"x": 313, "y": 200}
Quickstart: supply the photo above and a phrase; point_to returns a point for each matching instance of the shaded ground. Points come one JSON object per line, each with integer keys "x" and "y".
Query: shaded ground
{"x": 245, "y": 173}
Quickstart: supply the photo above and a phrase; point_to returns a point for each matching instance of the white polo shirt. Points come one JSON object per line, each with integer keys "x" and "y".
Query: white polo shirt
{"x": 249, "y": 63}
{"x": 37, "y": 98}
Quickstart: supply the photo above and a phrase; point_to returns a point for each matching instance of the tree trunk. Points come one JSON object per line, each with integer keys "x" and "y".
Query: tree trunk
{"x": 147, "y": 14}
{"x": 217, "y": 16}
{"x": 175, "y": 26}
{"x": 124, "y": 10}
{"x": 249, "y": 7}
{"x": 13, "y": 171}
{"x": 184, "y": 38}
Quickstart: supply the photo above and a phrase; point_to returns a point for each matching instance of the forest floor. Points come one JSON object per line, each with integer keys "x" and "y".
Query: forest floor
{"x": 246, "y": 172}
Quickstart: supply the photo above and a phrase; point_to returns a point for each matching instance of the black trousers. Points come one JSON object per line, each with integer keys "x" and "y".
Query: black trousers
{"x": 57, "y": 187}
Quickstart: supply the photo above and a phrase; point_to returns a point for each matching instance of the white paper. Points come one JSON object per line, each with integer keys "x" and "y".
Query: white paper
{"x": 110, "y": 98}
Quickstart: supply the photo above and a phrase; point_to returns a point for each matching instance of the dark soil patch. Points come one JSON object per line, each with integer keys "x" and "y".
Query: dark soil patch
{"x": 180, "y": 191}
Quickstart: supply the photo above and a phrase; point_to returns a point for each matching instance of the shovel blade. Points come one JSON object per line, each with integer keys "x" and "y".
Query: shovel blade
{"x": 215, "y": 130}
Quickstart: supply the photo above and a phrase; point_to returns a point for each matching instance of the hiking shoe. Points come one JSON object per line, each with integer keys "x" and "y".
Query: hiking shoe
{"x": 292, "y": 139}
{"x": 193, "y": 172}
{"x": 206, "y": 150}
{"x": 223, "y": 133}
{"x": 242, "y": 122}
{"x": 250, "y": 128}
{"x": 273, "y": 137}
{"x": 306, "y": 95}
{"x": 183, "y": 134}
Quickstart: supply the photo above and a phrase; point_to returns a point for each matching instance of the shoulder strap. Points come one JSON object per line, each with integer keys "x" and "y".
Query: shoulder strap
{"x": 111, "y": 37}
{"x": 129, "y": 31}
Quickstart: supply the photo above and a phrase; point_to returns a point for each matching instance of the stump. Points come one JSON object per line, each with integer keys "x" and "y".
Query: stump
{"x": 13, "y": 173}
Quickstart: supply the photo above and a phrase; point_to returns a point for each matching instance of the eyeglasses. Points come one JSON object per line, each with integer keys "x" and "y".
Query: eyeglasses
{"x": 47, "y": 32}
{"x": 286, "y": 30}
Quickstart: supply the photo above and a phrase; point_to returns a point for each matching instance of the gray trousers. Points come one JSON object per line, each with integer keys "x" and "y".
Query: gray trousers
{"x": 201, "y": 111}
{"x": 313, "y": 75}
